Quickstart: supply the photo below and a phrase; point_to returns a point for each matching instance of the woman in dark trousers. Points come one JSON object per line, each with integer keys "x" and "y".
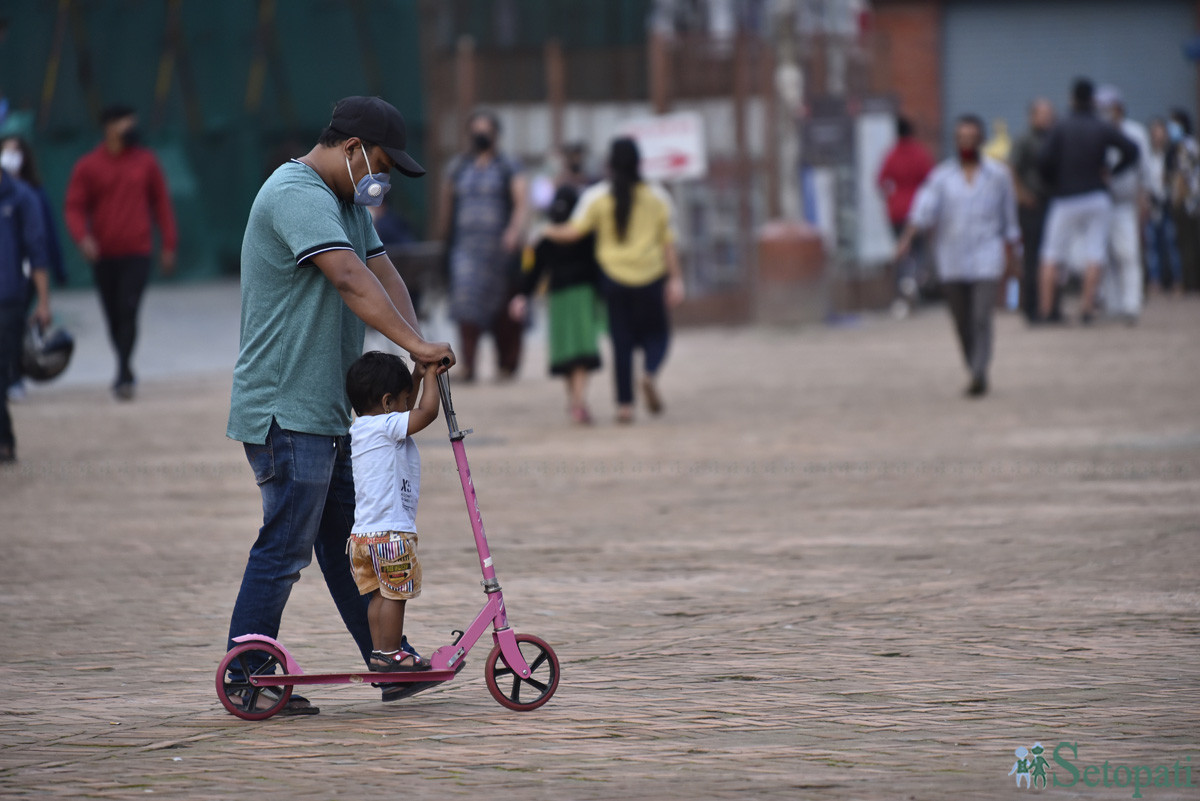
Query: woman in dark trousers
{"x": 641, "y": 278}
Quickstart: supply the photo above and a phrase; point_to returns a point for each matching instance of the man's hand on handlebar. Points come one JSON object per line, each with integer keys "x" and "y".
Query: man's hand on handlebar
{"x": 437, "y": 355}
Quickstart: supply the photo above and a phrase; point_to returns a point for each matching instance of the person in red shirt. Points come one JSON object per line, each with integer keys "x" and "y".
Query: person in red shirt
{"x": 904, "y": 170}
{"x": 115, "y": 197}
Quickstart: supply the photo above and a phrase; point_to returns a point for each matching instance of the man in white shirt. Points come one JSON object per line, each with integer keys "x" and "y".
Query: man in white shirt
{"x": 968, "y": 204}
{"x": 1123, "y": 278}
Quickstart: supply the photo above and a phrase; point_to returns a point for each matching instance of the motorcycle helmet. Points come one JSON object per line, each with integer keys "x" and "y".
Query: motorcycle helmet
{"x": 46, "y": 352}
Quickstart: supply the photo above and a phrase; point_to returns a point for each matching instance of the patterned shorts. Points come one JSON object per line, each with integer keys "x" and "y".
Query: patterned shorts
{"x": 386, "y": 561}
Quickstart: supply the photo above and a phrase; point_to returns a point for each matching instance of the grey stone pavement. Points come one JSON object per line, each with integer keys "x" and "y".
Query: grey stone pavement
{"x": 821, "y": 574}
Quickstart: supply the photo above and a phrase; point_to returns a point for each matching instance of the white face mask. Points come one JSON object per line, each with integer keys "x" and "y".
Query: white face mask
{"x": 11, "y": 161}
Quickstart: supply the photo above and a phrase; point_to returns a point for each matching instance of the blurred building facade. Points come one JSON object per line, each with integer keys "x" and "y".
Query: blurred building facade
{"x": 797, "y": 97}
{"x": 577, "y": 71}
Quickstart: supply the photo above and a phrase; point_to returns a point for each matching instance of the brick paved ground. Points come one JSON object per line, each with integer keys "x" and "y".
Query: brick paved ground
{"x": 822, "y": 575}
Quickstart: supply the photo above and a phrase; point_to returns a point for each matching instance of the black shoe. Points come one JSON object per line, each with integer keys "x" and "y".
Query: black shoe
{"x": 404, "y": 689}
{"x": 8, "y": 454}
{"x": 123, "y": 391}
{"x": 978, "y": 387}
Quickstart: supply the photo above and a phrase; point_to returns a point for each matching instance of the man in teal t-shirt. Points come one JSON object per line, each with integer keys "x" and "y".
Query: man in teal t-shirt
{"x": 313, "y": 273}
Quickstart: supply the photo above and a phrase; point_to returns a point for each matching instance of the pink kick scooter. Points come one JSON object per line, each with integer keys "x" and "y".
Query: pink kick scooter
{"x": 521, "y": 671}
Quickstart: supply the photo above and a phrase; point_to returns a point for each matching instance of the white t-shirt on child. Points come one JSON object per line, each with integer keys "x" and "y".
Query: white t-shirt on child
{"x": 387, "y": 474}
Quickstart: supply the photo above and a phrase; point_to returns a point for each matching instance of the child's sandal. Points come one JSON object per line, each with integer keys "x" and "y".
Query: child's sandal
{"x": 399, "y": 662}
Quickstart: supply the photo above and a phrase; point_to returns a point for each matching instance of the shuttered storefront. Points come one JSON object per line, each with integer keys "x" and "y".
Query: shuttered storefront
{"x": 999, "y": 54}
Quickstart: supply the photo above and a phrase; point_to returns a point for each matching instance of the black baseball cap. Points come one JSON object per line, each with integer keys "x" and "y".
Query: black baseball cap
{"x": 376, "y": 121}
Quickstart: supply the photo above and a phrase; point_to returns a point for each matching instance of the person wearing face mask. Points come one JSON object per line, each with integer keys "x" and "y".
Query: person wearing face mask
{"x": 115, "y": 197}
{"x": 314, "y": 273}
{"x": 16, "y": 158}
{"x": 968, "y": 207}
{"x": 483, "y": 213}
{"x": 22, "y": 241}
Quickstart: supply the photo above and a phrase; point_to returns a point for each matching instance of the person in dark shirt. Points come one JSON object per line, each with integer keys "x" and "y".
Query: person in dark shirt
{"x": 22, "y": 238}
{"x": 1032, "y": 200}
{"x": 574, "y": 307}
{"x": 17, "y": 159}
{"x": 1074, "y": 165}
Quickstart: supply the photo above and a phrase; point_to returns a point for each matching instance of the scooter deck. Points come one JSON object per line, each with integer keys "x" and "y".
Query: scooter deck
{"x": 284, "y": 679}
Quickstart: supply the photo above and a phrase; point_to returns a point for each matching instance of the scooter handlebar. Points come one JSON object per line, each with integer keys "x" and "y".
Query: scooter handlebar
{"x": 443, "y": 381}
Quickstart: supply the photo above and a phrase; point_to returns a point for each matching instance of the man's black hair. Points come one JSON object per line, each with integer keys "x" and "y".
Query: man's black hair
{"x": 373, "y": 375}
{"x": 904, "y": 127}
{"x": 975, "y": 120}
{"x": 331, "y": 137}
{"x": 1083, "y": 93}
{"x": 117, "y": 111}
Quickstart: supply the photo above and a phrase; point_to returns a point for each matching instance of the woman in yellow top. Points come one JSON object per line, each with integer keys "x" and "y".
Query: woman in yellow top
{"x": 635, "y": 245}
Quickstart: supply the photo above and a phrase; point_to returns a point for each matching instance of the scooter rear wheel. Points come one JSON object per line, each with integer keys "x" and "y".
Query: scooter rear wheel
{"x": 523, "y": 693}
{"x": 242, "y": 698}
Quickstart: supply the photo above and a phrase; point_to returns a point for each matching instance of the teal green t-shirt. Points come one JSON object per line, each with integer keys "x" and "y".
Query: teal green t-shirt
{"x": 298, "y": 336}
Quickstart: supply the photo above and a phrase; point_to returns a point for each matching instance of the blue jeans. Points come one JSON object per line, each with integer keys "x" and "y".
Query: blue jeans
{"x": 308, "y": 506}
{"x": 1161, "y": 246}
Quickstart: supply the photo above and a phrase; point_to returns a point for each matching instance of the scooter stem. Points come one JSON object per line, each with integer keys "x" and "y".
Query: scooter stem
{"x": 490, "y": 584}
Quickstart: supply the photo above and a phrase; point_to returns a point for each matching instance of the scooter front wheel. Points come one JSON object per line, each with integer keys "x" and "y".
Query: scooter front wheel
{"x": 523, "y": 693}
{"x": 242, "y": 698}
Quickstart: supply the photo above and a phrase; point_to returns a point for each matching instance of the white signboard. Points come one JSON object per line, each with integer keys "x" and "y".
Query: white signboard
{"x": 672, "y": 145}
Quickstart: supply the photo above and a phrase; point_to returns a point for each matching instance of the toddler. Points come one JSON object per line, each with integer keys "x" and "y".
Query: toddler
{"x": 387, "y": 481}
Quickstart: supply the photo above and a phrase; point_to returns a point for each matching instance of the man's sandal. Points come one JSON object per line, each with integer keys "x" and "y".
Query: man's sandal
{"x": 266, "y": 697}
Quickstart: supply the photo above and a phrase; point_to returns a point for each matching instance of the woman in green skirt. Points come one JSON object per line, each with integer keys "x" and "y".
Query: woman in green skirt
{"x": 574, "y": 307}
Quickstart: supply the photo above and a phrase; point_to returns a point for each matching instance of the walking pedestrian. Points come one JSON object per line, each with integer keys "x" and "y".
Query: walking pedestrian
{"x": 904, "y": 169}
{"x": 1162, "y": 251}
{"x": 1184, "y": 168}
{"x": 1123, "y": 280}
{"x": 483, "y": 210}
{"x": 1075, "y": 165}
{"x": 1032, "y": 200}
{"x": 17, "y": 158}
{"x": 574, "y": 309}
{"x": 640, "y": 274}
{"x": 22, "y": 239}
{"x": 968, "y": 205}
{"x": 115, "y": 196}
{"x": 313, "y": 273}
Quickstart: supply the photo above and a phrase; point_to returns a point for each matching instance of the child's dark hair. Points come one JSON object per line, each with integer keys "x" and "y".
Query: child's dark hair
{"x": 373, "y": 375}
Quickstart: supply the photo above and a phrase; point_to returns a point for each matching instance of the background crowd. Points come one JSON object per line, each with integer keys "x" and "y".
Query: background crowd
{"x": 1086, "y": 200}
{"x": 506, "y": 235}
